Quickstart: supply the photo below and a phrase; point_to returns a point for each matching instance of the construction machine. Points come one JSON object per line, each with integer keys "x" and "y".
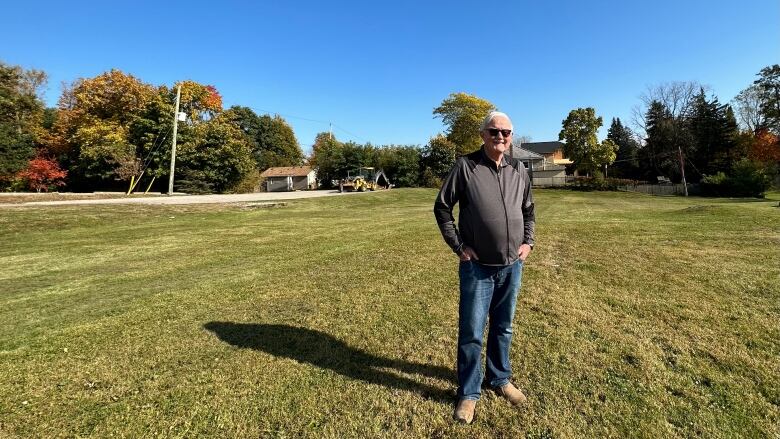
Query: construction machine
{"x": 364, "y": 179}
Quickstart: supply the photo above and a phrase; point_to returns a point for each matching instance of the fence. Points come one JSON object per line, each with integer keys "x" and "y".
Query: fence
{"x": 651, "y": 189}
{"x": 552, "y": 181}
{"x": 660, "y": 189}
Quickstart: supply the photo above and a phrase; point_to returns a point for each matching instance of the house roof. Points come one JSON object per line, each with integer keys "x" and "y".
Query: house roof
{"x": 524, "y": 154}
{"x": 542, "y": 147}
{"x": 287, "y": 171}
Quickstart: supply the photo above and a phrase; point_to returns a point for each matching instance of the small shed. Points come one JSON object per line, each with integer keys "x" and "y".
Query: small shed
{"x": 289, "y": 178}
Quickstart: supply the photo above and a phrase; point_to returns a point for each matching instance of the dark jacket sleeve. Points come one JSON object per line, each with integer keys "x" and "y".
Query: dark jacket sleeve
{"x": 529, "y": 215}
{"x": 448, "y": 196}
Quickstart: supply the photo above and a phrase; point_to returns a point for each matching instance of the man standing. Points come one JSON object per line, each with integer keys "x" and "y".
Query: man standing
{"x": 494, "y": 236}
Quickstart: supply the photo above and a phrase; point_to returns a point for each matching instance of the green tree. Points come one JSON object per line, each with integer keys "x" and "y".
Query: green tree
{"x": 462, "y": 113}
{"x": 436, "y": 160}
{"x": 581, "y": 144}
{"x": 21, "y": 118}
{"x": 151, "y": 131}
{"x": 327, "y": 159}
{"x": 357, "y": 155}
{"x": 16, "y": 150}
{"x": 401, "y": 164}
{"x": 215, "y": 158}
{"x": 275, "y": 144}
{"x": 769, "y": 87}
{"x": 246, "y": 120}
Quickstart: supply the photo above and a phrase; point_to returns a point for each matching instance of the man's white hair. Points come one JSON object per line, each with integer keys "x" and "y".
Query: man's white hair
{"x": 492, "y": 115}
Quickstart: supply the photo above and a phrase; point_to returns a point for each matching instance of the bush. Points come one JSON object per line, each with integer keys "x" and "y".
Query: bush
{"x": 430, "y": 179}
{"x": 748, "y": 179}
{"x": 599, "y": 183}
{"x": 250, "y": 183}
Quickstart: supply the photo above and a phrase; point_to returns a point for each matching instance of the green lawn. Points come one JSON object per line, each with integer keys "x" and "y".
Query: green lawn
{"x": 336, "y": 317}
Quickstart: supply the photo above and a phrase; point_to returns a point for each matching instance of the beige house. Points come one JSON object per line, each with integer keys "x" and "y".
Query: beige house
{"x": 290, "y": 178}
{"x": 551, "y": 151}
{"x": 543, "y": 167}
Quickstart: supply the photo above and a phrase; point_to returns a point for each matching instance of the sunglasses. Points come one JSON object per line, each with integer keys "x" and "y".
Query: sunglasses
{"x": 494, "y": 132}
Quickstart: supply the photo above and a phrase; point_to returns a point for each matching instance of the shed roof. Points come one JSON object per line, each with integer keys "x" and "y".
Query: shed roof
{"x": 287, "y": 171}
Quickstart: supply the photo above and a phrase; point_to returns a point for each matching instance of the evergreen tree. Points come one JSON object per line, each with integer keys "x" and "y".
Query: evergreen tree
{"x": 666, "y": 136}
{"x": 626, "y": 162}
{"x": 713, "y": 129}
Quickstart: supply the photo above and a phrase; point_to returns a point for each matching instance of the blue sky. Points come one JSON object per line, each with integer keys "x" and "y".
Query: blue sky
{"x": 377, "y": 70}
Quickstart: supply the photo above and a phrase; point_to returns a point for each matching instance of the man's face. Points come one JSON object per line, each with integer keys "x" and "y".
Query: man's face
{"x": 497, "y": 144}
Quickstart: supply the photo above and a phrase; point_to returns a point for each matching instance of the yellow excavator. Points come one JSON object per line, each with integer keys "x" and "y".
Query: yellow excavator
{"x": 364, "y": 179}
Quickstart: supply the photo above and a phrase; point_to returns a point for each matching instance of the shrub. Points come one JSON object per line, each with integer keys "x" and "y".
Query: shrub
{"x": 599, "y": 183}
{"x": 43, "y": 174}
{"x": 748, "y": 179}
{"x": 250, "y": 183}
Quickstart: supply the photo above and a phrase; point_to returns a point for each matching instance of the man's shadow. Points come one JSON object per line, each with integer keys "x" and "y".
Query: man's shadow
{"x": 324, "y": 351}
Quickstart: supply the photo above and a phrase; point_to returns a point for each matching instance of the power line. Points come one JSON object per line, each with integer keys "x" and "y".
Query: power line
{"x": 351, "y": 134}
{"x": 292, "y": 116}
{"x": 289, "y": 115}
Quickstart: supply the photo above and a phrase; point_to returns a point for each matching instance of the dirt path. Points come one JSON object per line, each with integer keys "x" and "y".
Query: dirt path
{"x": 188, "y": 199}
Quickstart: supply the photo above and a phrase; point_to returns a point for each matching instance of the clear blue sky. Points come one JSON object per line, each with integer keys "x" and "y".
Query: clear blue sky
{"x": 377, "y": 70}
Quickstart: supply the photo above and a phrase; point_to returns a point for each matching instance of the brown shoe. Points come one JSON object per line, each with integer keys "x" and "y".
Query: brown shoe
{"x": 512, "y": 394}
{"x": 464, "y": 411}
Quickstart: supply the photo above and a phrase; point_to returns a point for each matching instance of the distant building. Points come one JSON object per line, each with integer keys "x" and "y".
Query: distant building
{"x": 541, "y": 162}
{"x": 552, "y": 151}
{"x": 291, "y": 178}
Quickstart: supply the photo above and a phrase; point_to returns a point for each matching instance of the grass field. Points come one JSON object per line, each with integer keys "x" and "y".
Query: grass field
{"x": 336, "y": 317}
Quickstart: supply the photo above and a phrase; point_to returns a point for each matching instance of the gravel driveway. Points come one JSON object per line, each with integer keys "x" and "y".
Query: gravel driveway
{"x": 189, "y": 199}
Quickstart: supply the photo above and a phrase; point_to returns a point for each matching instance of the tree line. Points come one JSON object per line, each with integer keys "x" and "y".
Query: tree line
{"x": 113, "y": 127}
{"x": 681, "y": 128}
{"x": 110, "y": 128}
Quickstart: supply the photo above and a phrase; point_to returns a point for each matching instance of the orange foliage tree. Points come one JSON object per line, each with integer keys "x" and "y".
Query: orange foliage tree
{"x": 765, "y": 147}
{"x": 200, "y": 102}
{"x": 42, "y": 173}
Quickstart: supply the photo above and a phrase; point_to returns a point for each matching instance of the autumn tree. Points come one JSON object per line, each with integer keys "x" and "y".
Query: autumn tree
{"x": 462, "y": 114}
{"x": 765, "y": 148}
{"x": 200, "y": 102}
{"x": 93, "y": 122}
{"x": 581, "y": 144}
{"x": 42, "y": 174}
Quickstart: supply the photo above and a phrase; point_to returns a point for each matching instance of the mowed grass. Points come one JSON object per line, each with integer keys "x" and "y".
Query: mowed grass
{"x": 336, "y": 317}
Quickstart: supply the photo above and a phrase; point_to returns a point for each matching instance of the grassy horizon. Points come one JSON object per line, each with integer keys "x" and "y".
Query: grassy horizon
{"x": 336, "y": 317}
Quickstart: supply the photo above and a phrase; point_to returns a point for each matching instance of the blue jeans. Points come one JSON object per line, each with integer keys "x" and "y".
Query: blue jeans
{"x": 485, "y": 291}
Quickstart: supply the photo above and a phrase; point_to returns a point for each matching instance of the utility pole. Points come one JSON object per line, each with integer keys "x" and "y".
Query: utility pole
{"x": 330, "y": 131}
{"x": 682, "y": 170}
{"x": 173, "y": 147}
